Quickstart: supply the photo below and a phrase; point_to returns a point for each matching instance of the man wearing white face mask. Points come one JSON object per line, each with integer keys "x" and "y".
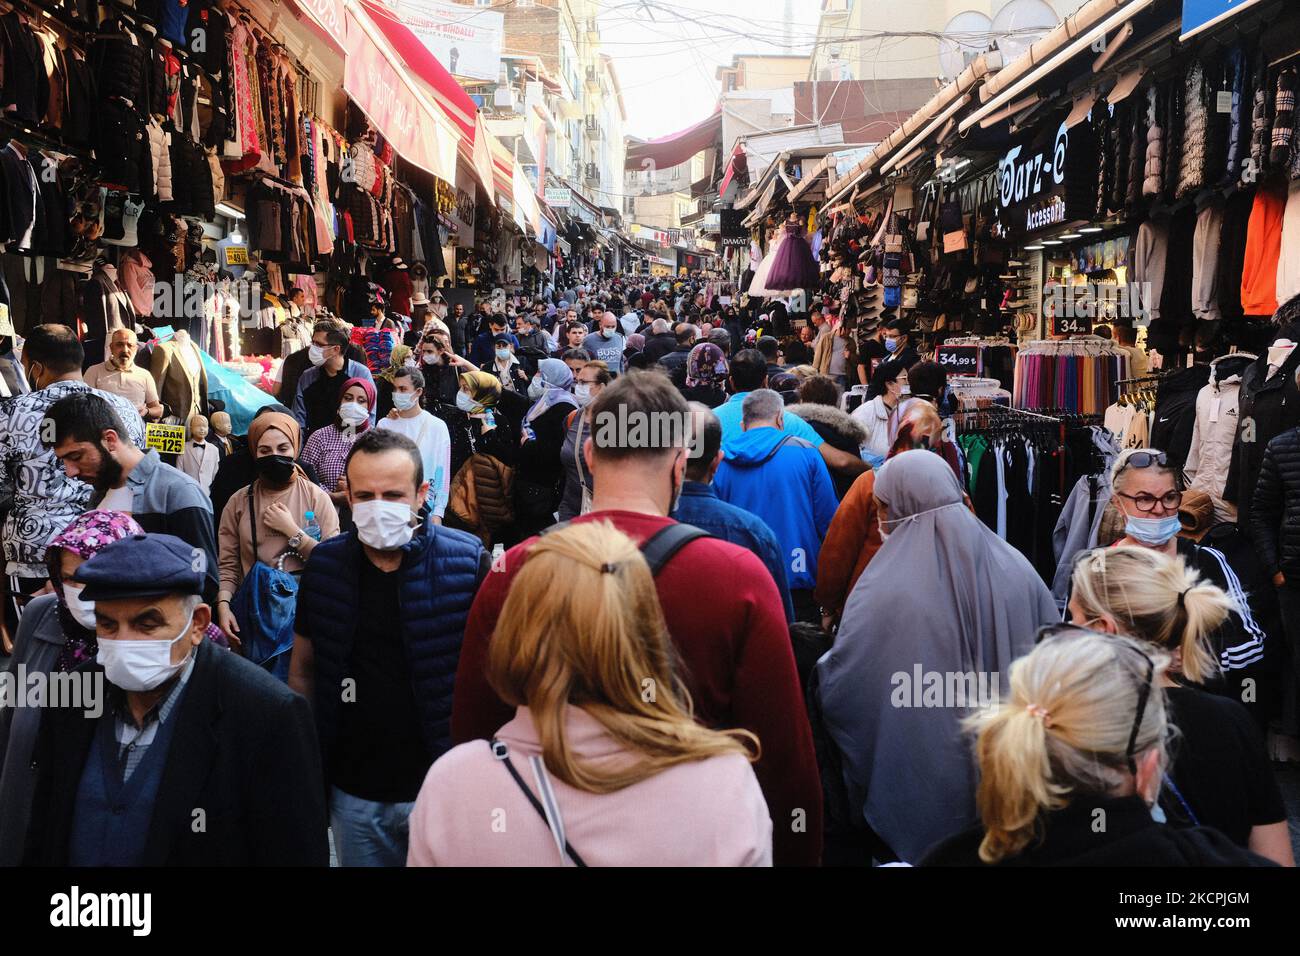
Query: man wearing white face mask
{"x": 189, "y": 729}
{"x": 429, "y": 434}
{"x": 316, "y": 398}
{"x": 380, "y": 620}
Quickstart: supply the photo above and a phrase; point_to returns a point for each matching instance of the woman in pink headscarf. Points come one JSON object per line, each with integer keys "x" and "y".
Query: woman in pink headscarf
{"x": 327, "y": 449}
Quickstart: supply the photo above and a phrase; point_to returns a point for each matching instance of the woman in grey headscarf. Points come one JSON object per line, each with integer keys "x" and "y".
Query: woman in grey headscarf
{"x": 927, "y": 636}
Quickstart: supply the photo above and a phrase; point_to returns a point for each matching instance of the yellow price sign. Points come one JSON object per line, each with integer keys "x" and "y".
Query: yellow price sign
{"x": 167, "y": 439}
{"x": 236, "y": 255}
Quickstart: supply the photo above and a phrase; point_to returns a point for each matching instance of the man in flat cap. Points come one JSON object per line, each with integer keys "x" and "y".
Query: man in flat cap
{"x": 200, "y": 758}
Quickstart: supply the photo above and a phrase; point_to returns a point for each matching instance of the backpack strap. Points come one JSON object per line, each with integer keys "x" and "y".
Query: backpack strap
{"x": 660, "y": 547}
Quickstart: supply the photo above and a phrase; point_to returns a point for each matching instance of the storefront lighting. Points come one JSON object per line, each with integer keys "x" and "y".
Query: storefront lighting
{"x": 230, "y": 212}
{"x": 1070, "y": 235}
{"x": 1033, "y": 248}
{"x": 1090, "y": 229}
{"x": 1053, "y": 242}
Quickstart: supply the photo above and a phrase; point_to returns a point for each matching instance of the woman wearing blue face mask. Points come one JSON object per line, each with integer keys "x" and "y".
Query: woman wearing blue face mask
{"x": 1148, "y": 494}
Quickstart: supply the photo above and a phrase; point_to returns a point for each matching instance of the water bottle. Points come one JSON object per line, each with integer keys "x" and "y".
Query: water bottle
{"x": 489, "y": 419}
{"x": 312, "y": 528}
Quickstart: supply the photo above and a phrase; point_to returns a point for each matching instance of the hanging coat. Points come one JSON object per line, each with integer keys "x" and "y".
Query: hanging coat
{"x": 1215, "y": 429}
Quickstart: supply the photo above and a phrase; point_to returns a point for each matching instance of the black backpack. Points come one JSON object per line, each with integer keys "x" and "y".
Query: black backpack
{"x": 660, "y": 547}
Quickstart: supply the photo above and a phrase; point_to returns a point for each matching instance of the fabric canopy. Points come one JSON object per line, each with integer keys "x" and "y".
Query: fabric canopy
{"x": 453, "y": 100}
{"x": 669, "y": 151}
{"x": 737, "y": 170}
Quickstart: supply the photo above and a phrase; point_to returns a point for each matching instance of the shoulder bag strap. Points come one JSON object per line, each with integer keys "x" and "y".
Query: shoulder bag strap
{"x": 660, "y": 547}
{"x": 501, "y": 752}
{"x": 252, "y": 519}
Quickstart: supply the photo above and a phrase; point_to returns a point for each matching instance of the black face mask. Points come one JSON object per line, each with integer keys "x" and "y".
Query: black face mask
{"x": 275, "y": 470}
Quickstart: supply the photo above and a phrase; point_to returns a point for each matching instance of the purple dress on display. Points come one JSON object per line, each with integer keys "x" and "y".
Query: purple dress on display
{"x": 793, "y": 265}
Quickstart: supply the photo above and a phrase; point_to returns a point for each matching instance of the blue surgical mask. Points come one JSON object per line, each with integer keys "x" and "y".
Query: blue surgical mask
{"x": 1153, "y": 532}
{"x": 891, "y": 345}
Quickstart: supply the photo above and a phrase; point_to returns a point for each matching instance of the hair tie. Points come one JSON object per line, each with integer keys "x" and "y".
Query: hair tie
{"x": 1042, "y": 713}
{"x": 1182, "y": 596}
{"x": 608, "y": 568}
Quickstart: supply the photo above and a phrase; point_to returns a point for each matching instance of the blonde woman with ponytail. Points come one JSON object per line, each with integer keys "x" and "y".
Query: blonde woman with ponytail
{"x": 1072, "y": 763}
{"x": 603, "y": 764}
{"x": 1221, "y": 776}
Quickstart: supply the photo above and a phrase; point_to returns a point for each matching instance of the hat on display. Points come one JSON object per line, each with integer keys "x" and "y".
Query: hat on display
{"x": 419, "y": 299}
{"x": 143, "y": 566}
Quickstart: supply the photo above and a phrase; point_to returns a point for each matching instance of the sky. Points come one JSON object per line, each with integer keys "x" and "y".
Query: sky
{"x": 667, "y": 56}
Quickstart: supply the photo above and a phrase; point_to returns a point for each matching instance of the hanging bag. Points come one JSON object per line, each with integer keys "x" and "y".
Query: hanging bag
{"x": 264, "y": 607}
{"x": 953, "y": 227}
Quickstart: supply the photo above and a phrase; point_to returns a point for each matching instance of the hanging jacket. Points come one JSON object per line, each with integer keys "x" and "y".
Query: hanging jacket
{"x": 1215, "y": 429}
{"x": 119, "y": 60}
{"x": 160, "y": 157}
{"x": 1175, "y": 413}
{"x": 1239, "y": 118}
{"x": 1195, "y": 144}
{"x": 1153, "y": 170}
{"x": 1266, "y": 407}
{"x": 1283, "y": 119}
{"x": 1275, "y": 515}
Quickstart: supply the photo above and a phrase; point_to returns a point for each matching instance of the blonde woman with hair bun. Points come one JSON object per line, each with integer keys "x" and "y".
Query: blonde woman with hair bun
{"x": 1221, "y": 776}
{"x": 1071, "y": 765}
{"x": 603, "y": 763}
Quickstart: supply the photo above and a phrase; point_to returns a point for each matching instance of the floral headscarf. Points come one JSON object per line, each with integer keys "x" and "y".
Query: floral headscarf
{"x": 706, "y": 366}
{"x": 396, "y": 362}
{"x": 85, "y": 536}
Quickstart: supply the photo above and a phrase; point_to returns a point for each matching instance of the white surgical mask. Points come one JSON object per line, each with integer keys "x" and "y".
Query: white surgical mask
{"x": 466, "y": 404}
{"x": 404, "y": 401}
{"x": 352, "y": 413}
{"x": 83, "y": 612}
{"x": 141, "y": 665}
{"x": 430, "y": 358}
{"x": 536, "y": 390}
{"x": 410, "y": 362}
{"x": 582, "y": 392}
{"x": 503, "y": 355}
{"x": 315, "y": 354}
{"x": 385, "y": 525}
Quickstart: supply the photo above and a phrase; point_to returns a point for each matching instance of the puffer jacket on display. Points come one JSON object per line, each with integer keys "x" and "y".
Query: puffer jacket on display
{"x": 1174, "y": 145}
{"x": 1259, "y": 130}
{"x": 1153, "y": 171}
{"x": 1195, "y": 142}
{"x": 119, "y": 60}
{"x": 1235, "y": 77}
{"x": 1137, "y": 156}
{"x": 1175, "y": 412}
{"x": 1214, "y": 432}
{"x": 160, "y": 153}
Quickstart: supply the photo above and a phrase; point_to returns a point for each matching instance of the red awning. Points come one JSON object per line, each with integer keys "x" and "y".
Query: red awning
{"x": 737, "y": 169}
{"x": 669, "y": 151}
{"x": 453, "y": 100}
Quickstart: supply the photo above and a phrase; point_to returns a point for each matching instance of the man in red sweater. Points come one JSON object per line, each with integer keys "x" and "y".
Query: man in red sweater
{"x": 721, "y": 605}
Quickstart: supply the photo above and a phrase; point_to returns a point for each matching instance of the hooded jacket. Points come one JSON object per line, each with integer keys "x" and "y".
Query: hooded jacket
{"x": 840, "y": 430}
{"x": 1213, "y": 433}
{"x": 783, "y": 480}
{"x": 1272, "y": 406}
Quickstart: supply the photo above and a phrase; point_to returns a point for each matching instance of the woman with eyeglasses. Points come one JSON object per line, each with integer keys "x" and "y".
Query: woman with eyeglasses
{"x": 1221, "y": 775}
{"x": 1072, "y": 763}
{"x": 1148, "y": 493}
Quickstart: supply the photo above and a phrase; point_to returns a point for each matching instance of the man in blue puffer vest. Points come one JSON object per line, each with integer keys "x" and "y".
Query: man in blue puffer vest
{"x": 380, "y": 622}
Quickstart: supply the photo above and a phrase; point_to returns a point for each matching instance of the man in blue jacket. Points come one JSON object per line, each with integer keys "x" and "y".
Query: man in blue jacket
{"x": 782, "y": 479}
{"x": 377, "y": 638}
{"x": 699, "y": 505}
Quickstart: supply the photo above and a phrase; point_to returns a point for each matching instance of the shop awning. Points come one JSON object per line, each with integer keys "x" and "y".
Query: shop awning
{"x": 737, "y": 173}
{"x": 417, "y": 129}
{"x": 503, "y": 170}
{"x": 446, "y": 92}
{"x": 329, "y": 17}
{"x": 675, "y": 149}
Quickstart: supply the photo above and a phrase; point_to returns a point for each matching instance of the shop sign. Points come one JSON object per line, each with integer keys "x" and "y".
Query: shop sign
{"x": 730, "y": 225}
{"x": 1200, "y": 15}
{"x": 558, "y": 197}
{"x": 958, "y": 359}
{"x": 1032, "y": 186}
{"x": 466, "y": 42}
{"x": 166, "y": 439}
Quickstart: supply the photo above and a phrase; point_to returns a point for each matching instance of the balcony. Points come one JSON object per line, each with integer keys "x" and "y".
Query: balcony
{"x": 590, "y": 174}
{"x": 593, "y": 30}
{"x": 592, "y": 127}
{"x": 593, "y": 80}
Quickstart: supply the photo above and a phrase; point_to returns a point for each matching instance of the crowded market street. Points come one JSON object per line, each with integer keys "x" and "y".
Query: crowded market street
{"x": 647, "y": 433}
